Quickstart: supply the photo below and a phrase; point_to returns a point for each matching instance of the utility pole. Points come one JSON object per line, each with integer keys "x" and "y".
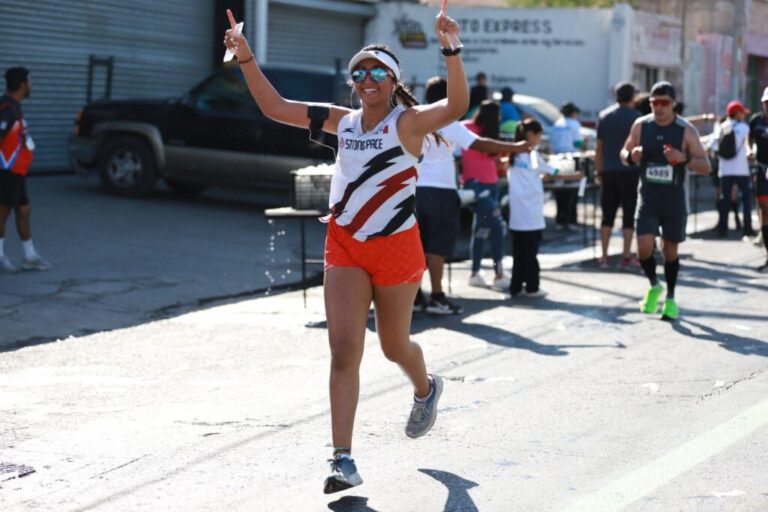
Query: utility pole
{"x": 738, "y": 37}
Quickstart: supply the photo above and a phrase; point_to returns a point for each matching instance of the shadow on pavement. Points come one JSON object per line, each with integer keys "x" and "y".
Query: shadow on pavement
{"x": 459, "y": 499}
{"x": 351, "y": 504}
{"x": 729, "y": 341}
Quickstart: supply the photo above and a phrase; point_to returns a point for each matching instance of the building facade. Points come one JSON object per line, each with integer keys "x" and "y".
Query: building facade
{"x": 81, "y": 50}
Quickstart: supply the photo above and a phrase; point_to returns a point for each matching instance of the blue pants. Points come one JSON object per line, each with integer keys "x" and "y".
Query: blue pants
{"x": 745, "y": 187}
{"x": 487, "y": 222}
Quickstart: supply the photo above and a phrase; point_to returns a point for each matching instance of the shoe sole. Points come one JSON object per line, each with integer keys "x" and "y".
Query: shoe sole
{"x": 442, "y": 312}
{"x": 333, "y": 484}
{"x": 438, "y": 392}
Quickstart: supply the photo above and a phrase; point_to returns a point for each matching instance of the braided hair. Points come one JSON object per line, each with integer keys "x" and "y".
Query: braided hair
{"x": 401, "y": 93}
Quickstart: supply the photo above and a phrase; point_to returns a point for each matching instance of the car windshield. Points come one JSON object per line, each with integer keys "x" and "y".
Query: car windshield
{"x": 227, "y": 90}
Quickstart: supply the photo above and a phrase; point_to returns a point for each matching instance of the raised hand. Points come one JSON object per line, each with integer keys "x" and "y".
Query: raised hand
{"x": 234, "y": 40}
{"x": 446, "y": 29}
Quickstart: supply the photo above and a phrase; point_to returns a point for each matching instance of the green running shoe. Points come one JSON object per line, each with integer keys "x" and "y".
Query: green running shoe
{"x": 650, "y": 303}
{"x": 669, "y": 310}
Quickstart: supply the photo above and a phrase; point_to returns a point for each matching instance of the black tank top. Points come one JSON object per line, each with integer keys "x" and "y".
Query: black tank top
{"x": 663, "y": 188}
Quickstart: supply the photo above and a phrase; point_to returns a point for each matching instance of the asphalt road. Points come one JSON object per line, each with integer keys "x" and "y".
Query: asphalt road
{"x": 577, "y": 402}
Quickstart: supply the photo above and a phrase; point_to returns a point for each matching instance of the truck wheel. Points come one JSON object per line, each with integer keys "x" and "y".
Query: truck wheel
{"x": 127, "y": 167}
{"x": 184, "y": 189}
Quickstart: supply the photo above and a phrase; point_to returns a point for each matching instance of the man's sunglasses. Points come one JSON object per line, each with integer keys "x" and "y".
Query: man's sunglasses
{"x": 376, "y": 74}
{"x": 661, "y": 102}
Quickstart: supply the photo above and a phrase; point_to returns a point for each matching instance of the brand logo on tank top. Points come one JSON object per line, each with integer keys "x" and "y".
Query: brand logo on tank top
{"x": 360, "y": 145}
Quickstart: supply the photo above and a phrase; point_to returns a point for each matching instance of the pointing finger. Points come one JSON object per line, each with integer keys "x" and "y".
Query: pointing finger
{"x": 230, "y": 16}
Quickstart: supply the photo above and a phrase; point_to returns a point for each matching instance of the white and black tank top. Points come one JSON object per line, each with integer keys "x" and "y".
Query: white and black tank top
{"x": 374, "y": 182}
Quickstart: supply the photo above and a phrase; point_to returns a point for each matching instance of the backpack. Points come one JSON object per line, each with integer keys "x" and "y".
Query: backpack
{"x": 726, "y": 143}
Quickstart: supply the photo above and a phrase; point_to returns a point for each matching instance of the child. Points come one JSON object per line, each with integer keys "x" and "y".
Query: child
{"x": 526, "y": 209}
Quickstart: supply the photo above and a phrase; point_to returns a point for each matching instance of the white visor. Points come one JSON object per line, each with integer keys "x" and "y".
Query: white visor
{"x": 376, "y": 55}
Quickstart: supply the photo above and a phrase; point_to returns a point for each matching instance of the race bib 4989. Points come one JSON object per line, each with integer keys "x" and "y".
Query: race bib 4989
{"x": 663, "y": 174}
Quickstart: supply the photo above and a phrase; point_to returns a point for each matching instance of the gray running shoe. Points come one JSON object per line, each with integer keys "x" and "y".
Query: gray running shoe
{"x": 35, "y": 263}
{"x": 423, "y": 414}
{"x": 343, "y": 475}
{"x": 6, "y": 265}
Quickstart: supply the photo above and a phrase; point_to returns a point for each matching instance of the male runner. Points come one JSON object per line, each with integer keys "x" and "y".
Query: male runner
{"x": 758, "y": 135}
{"x": 664, "y": 145}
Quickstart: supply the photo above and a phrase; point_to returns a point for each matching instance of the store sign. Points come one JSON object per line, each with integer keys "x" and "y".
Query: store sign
{"x": 557, "y": 54}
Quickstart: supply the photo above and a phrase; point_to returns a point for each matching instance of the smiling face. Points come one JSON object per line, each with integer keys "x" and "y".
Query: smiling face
{"x": 369, "y": 91}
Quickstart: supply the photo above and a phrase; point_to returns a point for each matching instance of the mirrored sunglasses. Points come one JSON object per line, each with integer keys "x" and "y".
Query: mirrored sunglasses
{"x": 376, "y": 74}
{"x": 661, "y": 102}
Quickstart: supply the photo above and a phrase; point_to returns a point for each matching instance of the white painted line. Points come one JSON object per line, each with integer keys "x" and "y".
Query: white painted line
{"x": 641, "y": 482}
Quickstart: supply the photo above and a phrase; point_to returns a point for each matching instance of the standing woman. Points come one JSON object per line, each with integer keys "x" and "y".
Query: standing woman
{"x": 372, "y": 248}
{"x": 478, "y": 173}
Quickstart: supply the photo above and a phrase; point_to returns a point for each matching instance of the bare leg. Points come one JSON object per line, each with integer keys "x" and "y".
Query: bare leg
{"x": 605, "y": 237}
{"x": 22, "y": 222}
{"x": 435, "y": 266}
{"x": 669, "y": 249}
{"x": 627, "y": 233}
{"x": 5, "y": 212}
{"x": 348, "y": 296}
{"x": 393, "y": 323}
{"x": 645, "y": 246}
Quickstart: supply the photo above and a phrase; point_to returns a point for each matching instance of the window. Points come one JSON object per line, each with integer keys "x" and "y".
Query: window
{"x": 225, "y": 91}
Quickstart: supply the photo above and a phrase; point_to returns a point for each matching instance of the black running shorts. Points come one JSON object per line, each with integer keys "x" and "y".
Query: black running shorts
{"x": 619, "y": 189}
{"x": 437, "y": 212}
{"x": 670, "y": 227}
{"x": 13, "y": 189}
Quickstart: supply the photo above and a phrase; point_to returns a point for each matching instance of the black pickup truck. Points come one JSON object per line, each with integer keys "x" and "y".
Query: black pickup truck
{"x": 213, "y": 136}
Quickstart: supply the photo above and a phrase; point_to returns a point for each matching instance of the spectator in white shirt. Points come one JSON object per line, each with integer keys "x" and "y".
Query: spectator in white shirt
{"x": 565, "y": 137}
{"x": 734, "y": 171}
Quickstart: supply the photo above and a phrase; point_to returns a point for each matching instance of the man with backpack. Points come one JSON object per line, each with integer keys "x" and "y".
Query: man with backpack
{"x": 733, "y": 166}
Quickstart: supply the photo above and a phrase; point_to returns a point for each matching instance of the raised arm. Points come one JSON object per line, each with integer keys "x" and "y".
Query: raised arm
{"x": 269, "y": 100}
{"x": 415, "y": 123}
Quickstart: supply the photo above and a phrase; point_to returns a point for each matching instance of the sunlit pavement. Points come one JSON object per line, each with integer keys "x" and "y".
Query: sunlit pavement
{"x": 573, "y": 402}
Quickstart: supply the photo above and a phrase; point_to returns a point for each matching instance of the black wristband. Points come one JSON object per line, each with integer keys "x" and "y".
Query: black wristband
{"x": 246, "y": 61}
{"x": 449, "y": 52}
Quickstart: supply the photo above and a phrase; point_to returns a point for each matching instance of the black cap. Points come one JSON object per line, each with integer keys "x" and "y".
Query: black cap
{"x": 568, "y": 109}
{"x": 624, "y": 91}
{"x": 663, "y": 89}
{"x": 507, "y": 93}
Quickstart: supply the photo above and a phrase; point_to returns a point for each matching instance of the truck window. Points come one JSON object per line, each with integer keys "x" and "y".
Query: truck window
{"x": 226, "y": 92}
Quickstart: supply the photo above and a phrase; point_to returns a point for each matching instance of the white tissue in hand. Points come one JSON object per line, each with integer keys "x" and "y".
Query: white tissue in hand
{"x": 229, "y": 54}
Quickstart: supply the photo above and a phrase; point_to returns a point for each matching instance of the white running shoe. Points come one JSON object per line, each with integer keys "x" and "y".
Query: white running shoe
{"x": 477, "y": 281}
{"x": 538, "y": 294}
{"x": 35, "y": 263}
{"x": 6, "y": 265}
{"x": 501, "y": 283}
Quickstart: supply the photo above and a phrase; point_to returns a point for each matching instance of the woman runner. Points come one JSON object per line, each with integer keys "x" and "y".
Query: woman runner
{"x": 372, "y": 249}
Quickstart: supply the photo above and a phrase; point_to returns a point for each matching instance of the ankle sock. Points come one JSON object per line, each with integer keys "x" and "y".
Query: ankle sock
{"x": 29, "y": 249}
{"x": 429, "y": 395}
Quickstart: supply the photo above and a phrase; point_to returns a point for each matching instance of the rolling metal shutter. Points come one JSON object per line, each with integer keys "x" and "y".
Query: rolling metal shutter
{"x": 160, "y": 49}
{"x": 312, "y": 37}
